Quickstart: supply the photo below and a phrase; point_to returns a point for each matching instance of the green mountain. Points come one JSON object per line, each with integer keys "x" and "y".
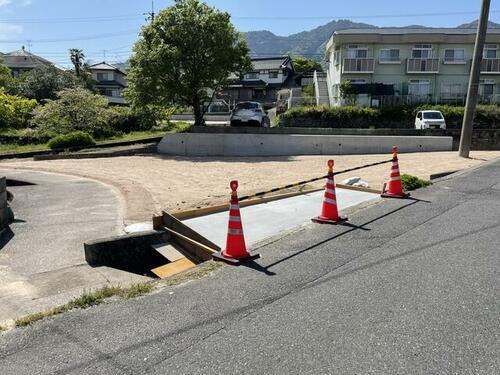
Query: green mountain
{"x": 312, "y": 43}
{"x": 307, "y": 43}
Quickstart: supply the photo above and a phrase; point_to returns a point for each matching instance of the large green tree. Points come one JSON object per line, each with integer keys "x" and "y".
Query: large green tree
{"x": 303, "y": 64}
{"x": 184, "y": 57}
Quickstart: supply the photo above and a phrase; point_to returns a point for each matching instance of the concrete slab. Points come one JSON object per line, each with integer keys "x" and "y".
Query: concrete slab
{"x": 269, "y": 219}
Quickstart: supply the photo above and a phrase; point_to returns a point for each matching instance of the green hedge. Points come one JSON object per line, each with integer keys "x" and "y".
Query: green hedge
{"x": 487, "y": 117}
{"x": 72, "y": 140}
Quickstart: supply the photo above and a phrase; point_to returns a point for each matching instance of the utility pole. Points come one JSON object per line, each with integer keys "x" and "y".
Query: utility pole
{"x": 151, "y": 15}
{"x": 471, "y": 102}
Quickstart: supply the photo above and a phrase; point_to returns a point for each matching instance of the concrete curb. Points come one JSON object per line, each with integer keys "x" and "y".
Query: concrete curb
{"x": 30, "y": 154}
{"x": 95, "y": 155}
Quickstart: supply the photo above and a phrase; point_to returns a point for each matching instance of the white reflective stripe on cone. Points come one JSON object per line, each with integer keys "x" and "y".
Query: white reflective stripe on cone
{"x": 234, "y": 231}
{"x": 235, "y": 218}
{"x": 395, "y": 170}
{"x": 234, "y": 206}
{"x": 331, "y": 191}
{"x": 331, "y": 201}
{"x": 396, "y": 178}
{"x": 395, "y": 163}
{"x": 330, "y": 181}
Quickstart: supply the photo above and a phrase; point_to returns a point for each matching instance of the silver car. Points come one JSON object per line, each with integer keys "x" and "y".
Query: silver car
{"x": 249, "y": 114}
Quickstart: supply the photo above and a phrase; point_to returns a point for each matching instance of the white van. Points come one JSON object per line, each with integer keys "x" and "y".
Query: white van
{"x": 430, "y": 120}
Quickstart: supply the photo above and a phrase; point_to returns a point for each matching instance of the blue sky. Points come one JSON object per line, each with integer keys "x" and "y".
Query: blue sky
{"x": 108, "y": 28}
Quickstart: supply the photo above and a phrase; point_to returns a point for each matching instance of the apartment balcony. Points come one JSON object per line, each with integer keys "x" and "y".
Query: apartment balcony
{"x": 358, "y": 65}
{"x": 422, "y": 65}
{"x": 490, "y": 66}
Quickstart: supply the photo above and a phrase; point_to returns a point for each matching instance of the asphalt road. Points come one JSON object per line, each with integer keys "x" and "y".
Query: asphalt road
{"x": 410, "y": 287}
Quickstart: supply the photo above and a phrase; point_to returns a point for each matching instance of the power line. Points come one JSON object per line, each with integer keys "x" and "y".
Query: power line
{"x": 88, "y": 37}
{"x": 71, "y": 19}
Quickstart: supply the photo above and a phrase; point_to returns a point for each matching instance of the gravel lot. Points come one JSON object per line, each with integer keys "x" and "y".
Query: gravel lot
{"x": 152, "y": 183}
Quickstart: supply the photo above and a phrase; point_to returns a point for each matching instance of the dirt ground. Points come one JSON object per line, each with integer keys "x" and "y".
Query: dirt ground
{"x": 151, "y": 183}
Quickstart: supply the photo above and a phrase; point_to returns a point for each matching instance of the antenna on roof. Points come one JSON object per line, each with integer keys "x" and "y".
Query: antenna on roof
{"x": 151, "y": 15}
{"x": 28, "y": 42}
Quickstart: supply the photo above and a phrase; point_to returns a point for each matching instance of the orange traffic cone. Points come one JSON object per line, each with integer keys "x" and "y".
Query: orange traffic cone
{"x": 394, "y": 188}
{"x": 329, "y": 211}
{"x": 236, "y": 250}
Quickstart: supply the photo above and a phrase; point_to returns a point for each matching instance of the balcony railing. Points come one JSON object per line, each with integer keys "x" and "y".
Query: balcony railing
{"x": 490, "y": 66}
{"x": 422, "y": 66}
{"x": 360, "y": 65}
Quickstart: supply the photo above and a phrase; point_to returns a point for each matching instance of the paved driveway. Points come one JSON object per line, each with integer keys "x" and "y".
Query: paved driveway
{"x": 42, "y": 259}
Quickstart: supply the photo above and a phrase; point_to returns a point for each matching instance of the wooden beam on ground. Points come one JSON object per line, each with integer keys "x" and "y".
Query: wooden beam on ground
{"x": 198, "y": 247}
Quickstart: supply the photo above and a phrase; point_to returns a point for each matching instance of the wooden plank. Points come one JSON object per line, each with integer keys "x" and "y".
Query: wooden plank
{"x": 184, "y": 215}
{"x": 189, "y": 239}
{"x": 173, "y": 268}
{"x": 168, "y": 251}
{"x": 358, "y": 188}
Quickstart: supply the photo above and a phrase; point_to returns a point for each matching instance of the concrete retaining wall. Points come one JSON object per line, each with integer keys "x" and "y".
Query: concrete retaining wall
{"x": 4, "y": 214}
{"x": 192, "y": 144}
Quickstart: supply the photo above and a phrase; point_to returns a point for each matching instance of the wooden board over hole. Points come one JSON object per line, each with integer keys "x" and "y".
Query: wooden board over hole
{"x": 174, "y": 268}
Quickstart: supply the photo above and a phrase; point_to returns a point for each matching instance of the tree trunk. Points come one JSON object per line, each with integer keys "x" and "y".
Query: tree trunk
{"x": 198, "y": 113}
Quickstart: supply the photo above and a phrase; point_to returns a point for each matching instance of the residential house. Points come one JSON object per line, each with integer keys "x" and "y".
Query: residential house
{"x": 261, "y": 84}
{"x": 23, "y": 61}
{"x": 399, "y": 65}
{"x": 110, "y": 81}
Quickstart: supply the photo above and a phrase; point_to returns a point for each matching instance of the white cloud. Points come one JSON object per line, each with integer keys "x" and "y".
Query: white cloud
{"x": 26, "y": 3}
{"x": 7, "y": 29}
{"x": 4, "y": 2}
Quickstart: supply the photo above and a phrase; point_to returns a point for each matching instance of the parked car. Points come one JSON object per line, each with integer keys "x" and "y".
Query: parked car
{"x": 430, "y": 120}
{"x": 249, "y": 114}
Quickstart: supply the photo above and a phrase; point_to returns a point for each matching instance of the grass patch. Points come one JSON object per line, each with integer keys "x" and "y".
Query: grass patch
{"x": 13, "y": 148}
{"x": 89, "y": 299}
{"x": 412, "y": 182}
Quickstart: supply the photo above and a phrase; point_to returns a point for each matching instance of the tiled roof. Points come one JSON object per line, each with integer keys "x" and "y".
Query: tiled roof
{"x": 105, "y": 66}
{"x": 23, "y": 59}
{"x": 270, "y": 63}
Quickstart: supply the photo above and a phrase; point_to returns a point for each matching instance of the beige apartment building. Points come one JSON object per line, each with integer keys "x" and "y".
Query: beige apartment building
{"x": 397, "y": 65}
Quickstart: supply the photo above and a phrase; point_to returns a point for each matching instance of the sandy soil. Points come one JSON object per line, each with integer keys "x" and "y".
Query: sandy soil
{"x": 152, "y": 183}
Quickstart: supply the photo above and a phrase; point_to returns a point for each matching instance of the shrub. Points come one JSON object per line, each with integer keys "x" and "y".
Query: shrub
{"x": 71, "y": 140}
{"x": 412, "y": 183}
{"x": 15, "y": 111}
{"x": 75, "y": 109}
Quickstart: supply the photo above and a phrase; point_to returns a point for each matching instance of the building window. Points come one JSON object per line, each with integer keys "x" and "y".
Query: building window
{"x": 357, "y": 52}
{"x": 419, "y": 87}
{"x": 252, "y": 75}
{"x": 490, "y": 51}
{"x": 104, "y": 76}
{"x": 273, "y": 74}
{"x": 452, "y": 90}
{"x": 486, "y": 87}
{"x": 455, "y": 55}
{"x": 259, "y": 94}
{"x": 389, "y": 55}
{"x": 422, "y": 51}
